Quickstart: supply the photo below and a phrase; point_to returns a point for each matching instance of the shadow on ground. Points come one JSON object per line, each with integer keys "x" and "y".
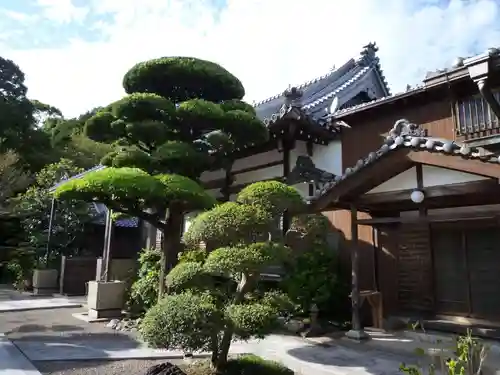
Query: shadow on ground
{"x": 357, "y": 356}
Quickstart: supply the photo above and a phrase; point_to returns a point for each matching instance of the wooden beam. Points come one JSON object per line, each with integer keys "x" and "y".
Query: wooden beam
{"x": 456, "y": 163}
{"x": 257, "y": 167}
{"x": 465, "y": 188}
{"x": 481, "y": 215}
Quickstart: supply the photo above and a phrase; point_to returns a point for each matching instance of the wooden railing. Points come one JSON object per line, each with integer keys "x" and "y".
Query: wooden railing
{"x": 474, "y": 117}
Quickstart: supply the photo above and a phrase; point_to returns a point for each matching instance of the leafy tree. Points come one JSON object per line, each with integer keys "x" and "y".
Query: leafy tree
{"x": 18, "y": 123}
{"x": 33, "y": 206}
{"x": 214, "y": 297}
{"x": 313, "y": 276}
{"x": 13, "y": 179}
{"x": 182, "y": 116}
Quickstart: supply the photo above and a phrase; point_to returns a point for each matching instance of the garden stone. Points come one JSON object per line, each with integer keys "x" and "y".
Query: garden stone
{"x": 113, "y": 323}
{"x": 166, "y": 368}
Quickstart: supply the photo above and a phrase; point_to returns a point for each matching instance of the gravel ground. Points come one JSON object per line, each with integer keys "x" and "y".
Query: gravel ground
{"x": 125, "y": 367}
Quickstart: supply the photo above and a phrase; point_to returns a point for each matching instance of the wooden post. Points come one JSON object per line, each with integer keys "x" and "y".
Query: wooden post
{"x": 106, "y": 254}
{"x": 286, "y": 173}
{"x": 357, "y": 332}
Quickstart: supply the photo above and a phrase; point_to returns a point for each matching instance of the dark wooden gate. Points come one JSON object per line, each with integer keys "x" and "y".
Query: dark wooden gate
{"x": 467, "y": 269}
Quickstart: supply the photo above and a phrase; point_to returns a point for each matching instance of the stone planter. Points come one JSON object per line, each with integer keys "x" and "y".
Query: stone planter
{"x": 105, "y": 299}
{"x": 44, "y": 281}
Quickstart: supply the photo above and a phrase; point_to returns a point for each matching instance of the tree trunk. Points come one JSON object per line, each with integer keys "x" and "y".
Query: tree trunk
{"x": 171, "y": 243}
{"x": 225, "y": 343}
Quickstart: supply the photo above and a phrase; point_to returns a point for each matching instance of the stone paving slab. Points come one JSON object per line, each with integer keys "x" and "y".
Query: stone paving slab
{"x": 37, "y": 303}
{"x": 296, "y": 353}
{"x": 13, "y": 361}
{"x": 99, "y": 349}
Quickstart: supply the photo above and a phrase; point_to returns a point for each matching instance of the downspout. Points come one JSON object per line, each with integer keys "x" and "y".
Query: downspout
{"x": 479, "y": 68}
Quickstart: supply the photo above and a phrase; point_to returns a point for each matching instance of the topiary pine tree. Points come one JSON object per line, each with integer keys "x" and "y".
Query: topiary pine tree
{"x": 214, "y": 298}
{"x": 182, "y": 116}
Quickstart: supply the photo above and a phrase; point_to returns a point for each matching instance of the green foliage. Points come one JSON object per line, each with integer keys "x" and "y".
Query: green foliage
{"x": 144, "y": 290}
{"x": 241, "y": 365}
{"x": 311, "y": 277}
{"x": 187, "y": 275}
{"x": 237, "y": 105}
{"x": 196, "y": 255}
{"x": 33, "y": 206}
{"x": 468, "y": 356}
{"x": 248, "y": 259}
{"x": 135, "y": 186}
{"x": 19, "y": 265}
{"x": 228, "y": 224}
{"x": 252, "y": 319}
{"x": 179, "y": 157}
{"x": 222, "y": 284}
{"x": 312, "y": 225}
{"x": 183, "y": 78}
{"x": 272, "y": 196}
{"x": 187, "y": 320}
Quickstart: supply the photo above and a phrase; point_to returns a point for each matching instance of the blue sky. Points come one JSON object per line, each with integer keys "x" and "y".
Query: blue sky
{"x": 75, "y": 52}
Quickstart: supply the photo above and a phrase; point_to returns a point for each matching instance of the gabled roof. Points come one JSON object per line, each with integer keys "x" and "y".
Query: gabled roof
{"x": 318, "y": 94}
{"x": 432, "y": 79}
{"x": 407, "y": 143}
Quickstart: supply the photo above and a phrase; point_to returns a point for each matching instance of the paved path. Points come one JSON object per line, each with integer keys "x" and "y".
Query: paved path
{"x": 12, "y": 361}
{"x": 299, "y": 355}
{"x": 12, "y": 300}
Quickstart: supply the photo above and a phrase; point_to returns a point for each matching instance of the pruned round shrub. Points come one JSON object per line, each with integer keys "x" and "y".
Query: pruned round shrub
{"x": 183, "y": 78}
{"x": 228, "y": 224}
{"x": 273, "y": 196}
{"x": 187, "y": 320}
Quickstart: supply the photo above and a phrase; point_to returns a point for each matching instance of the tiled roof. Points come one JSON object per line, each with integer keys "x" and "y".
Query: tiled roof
{"x": 457, "y": 66}
{"x": 412, "y": 138}
{"x": 318, "y": 94}
{"x": 100, "y": 211}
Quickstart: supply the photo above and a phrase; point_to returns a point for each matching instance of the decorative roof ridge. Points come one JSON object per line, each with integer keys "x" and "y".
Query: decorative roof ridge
{"x": 408, "y": 135}
{"x": 368, "y": 57}
{"x": 311, "y": 81}
{"x": 357, "y": 107}
{"x": 338, "y": 89}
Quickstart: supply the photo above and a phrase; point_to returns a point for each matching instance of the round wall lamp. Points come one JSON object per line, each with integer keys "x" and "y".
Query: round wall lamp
{"x": 417, "y": 196}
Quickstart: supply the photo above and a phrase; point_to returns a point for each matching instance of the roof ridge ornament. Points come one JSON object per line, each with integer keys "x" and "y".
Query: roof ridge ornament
{"x": 404, "y": 127}
{"x": 293, "y": 97}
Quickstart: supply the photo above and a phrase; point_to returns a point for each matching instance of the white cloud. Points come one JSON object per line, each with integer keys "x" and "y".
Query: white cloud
{"x": 62, "y": 11}
{"x": 268, "y": 44}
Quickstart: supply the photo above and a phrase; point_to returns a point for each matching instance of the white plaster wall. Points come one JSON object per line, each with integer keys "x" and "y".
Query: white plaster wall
{"x": 303, "y": 189}
{"x": 435, "y": 176}
{"x": 329, "y": 157}
{"x": 262, "y": 158}
{"x": 212, "y": 175}
{"x": 431, "y": 176}
{"x": 402, "y": 181}
{"x": 259, "y": 175}
{"x": 299, "y": 150}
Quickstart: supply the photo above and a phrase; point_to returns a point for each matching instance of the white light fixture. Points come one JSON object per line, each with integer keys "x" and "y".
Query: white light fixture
{"x": 417, "y": 196}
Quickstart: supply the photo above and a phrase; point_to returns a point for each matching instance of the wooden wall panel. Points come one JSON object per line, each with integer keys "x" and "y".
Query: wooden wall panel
{"x": 368, "y": 130}
{"x": 341, "y": 220}
{"x": 415, "y": 271}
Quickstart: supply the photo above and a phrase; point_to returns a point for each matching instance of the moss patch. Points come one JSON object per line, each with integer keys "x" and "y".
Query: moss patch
{"x": 248, "y": 364}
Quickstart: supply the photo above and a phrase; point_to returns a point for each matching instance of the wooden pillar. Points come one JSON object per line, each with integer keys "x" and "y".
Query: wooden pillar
{"x": 357, "y": 332}
{"x": 286, "y": 173}
{"x": 310, "y": 147}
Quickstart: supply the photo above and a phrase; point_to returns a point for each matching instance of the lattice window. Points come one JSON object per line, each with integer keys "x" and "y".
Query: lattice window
{"x": 474, "y": 115}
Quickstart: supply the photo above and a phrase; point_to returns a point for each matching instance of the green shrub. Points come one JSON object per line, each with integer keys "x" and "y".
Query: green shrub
{"x": 144, "y": 290}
